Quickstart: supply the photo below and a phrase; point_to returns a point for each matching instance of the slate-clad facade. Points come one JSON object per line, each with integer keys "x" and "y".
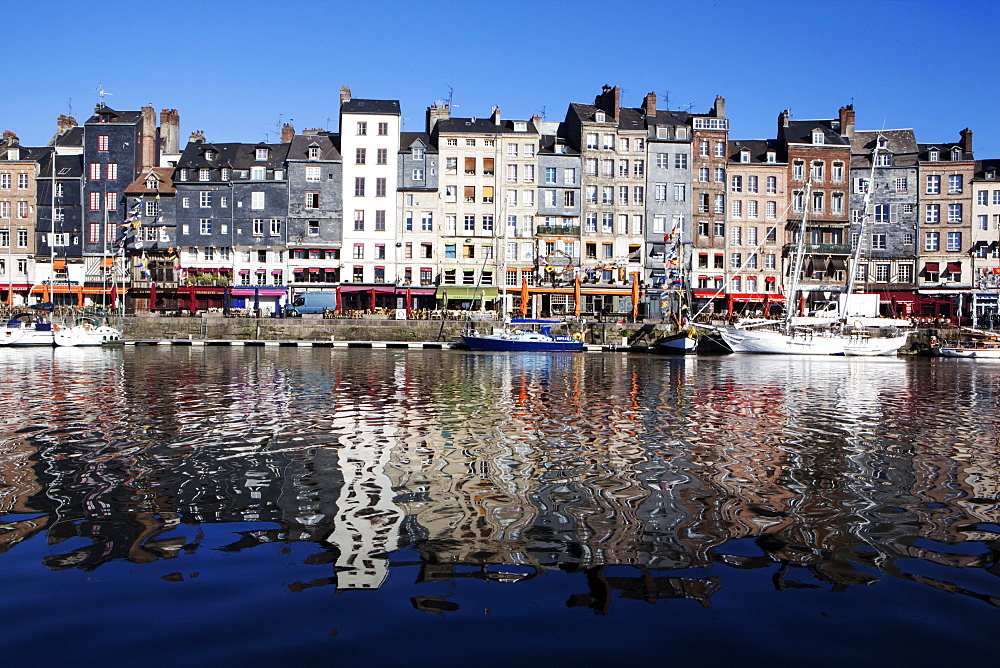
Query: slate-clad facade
{"x": 315, "y": 210}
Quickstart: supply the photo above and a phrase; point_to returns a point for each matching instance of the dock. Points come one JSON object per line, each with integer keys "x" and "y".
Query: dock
{"x": 401, "y": 345}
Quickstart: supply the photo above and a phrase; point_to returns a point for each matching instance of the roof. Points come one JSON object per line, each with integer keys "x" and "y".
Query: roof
{"x": 408, "y": 139}
{"x": 68, "y": 166}
{"x": 547, "y": 144}
{"x": 116, "y": 116}
{"x": 298, "y": 149}
{"x": 758, "y": 150}
{"x": 72, "y": 137}
{"x": 356, "y": 106}
{"x": 944, "y": 152}
{"x": 164, "y": 182}
{"x": 482, "y": 126}
{"x": 233, "y": 156}
{"x": 897, "y": 141}
{"x": 985, "y": 168}
{"x": 800, "y": 132}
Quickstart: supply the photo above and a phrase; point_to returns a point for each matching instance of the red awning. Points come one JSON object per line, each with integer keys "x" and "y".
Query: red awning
{"x": 954, "y": 267}
{"x": 313, "y": 270}
{"x": 770, "y": 279}
{"x": 244, "y": 272}
{"x": 416, "y": 291}
{"x": 931, "y": 267}
{"x": 298, "y": 270}
{"x": 707, "y": 295}
{"x": 276, "y": 272}
{"x": 749, "y": 297}
{"x": 262, "y": 271}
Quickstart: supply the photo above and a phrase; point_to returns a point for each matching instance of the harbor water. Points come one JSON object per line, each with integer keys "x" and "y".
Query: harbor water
{"x": 275, "y": 506}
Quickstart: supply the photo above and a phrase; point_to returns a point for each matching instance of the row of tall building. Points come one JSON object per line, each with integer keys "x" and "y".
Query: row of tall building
{"x": 470, "y": 210}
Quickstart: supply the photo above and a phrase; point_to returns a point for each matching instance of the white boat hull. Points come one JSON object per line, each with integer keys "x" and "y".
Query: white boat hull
{"x": 84, "y": 335}
{"x": 981, "y": 353}
{"x": 15, "y": 337}
{"x": 770, "y": 342}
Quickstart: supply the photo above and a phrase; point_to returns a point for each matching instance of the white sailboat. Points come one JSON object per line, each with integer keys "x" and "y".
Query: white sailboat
{"x": 829, "y": 336}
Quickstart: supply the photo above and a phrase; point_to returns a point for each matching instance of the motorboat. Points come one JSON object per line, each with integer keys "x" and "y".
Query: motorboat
{"x": 524, "y": 340}
{"x": 27, "y": 329}
{"x": 86, "y": 331}
{"x": 974, "y": 344}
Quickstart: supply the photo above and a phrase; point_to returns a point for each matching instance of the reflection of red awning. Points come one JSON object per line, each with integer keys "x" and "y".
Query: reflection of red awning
{"x": 931, "y": 267}
{"x": 262, "y": 271}
{"x": 954, "y": 267}
{"x": 313, "y": 270}
{"x": 776, "y": 298}
{"x": 707, "y": 295}
{"x": 276, "y": 272}
{"x": 416, "y": 291}
{"x": 244, "y": 272}
{"x": 298, "y": 270}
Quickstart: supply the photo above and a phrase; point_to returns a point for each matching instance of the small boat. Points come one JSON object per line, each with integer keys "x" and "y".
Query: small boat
{"x": 86, "y": 331}
{"x": 681, "y": 343}
{"x": 524, "y": 340}
{"x": 975, "y": 344}
{"x": 27, "y": 329}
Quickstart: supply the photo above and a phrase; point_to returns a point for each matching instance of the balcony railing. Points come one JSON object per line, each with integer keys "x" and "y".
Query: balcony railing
{"x": 566, "y": 230}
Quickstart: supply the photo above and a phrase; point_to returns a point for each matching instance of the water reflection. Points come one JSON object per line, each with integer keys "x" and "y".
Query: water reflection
{"x": 651, "y": 478}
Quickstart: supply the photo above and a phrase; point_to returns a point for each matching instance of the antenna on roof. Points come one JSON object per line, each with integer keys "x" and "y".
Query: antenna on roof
{"x": 402, "y": 123}
{"x": 666, "y": 99}
{"x": 451, "y": 95}
{"x": 69, "y": 105}
{"x": 543, "y": 111}
{"x": 100, "y": 91}
{"x": 328, "y": 119}
{"x": 690, "y": 105}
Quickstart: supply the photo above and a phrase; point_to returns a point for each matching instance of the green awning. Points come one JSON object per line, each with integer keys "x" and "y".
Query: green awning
{"x": 467, "y": 292}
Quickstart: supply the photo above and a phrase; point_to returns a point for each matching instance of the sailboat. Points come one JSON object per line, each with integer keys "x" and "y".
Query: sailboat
{"x": 834, "y": 336}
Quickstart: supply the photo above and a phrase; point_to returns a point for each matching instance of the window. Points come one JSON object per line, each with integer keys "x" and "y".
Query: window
{"x": 719, "y": 228}
{"x": 837, "y": 203}
{"x": 550, "y": 175}
{"x": 772, "y": 185}
{"x": 736, "y": 260}
{"x": 703, "y": 174}
{"x": 703, "y": 148}
{"x": 359, "y": 252}
{"x": 312, "y": 200}
{"x": 955, "y": 184}
{"x": 258, "y": 228}
{"x": 362, "y": 128}
{"x": 736, "y": 208}
{"x": 932, "y": 241}
{"x": 257, "y": 200}
{"x": 383, "y": 129}
{"x": 110, "y": 202}
{"x": 954, "y": 213}
{"x": 427, "y": 221}
{"x": 720, "y": 204}
{"x": 205, "y": 226}
{"x": 816, "y": 171}
{"x": 258, "y": 173}
{"x": 882, "y": 212}
{"x": 879, "y": 241}
{"x": 736, "y": 235}
{"x": 882, "y": 271}
{"x": 751, "y": 184}
{"x": 933, "y": 185}
{"x": 102, "y": 143}
{"x": 752, "y": 209}
{"x": 608, "y": 142}
{"x": 359, "y": 220}
{"x": 111, "y": 173}
{"x": 905, "y": 273}
{"x": 954, "y": 242}
{"x": 798, "y": 170}
{"x": 313, "y": 228}
{"x": 770, "y": 261}
{"x": 659, "y": 192}
{"x": 982, "y": 222}
{"x": 512, "y": 173}
{"x": 380, "y": 220}
{"x": 95, "y": 173}
{"x": 205, "y": 199}
{"x": 720, "y": 175}
{"x": 204, "y": 174}
{"x": 680, "y": 192}
{"x": 569, "y": 198}
{"x": 720, "y": 149}
{"x": 359, "y": 186}
{"x": 569, "y": 175}
{"x": 883, "y": 160}
{"x": 680, "y": 161}
{"x": 736, "y": 184}
{"x": 380, "y": 187}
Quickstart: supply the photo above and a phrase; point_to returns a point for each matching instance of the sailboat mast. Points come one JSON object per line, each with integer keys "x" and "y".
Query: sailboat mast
{"x": 799, "y": 256}
{"x": 852, "y": 268}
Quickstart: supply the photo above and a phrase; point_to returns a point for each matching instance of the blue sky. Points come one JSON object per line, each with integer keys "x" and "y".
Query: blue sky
{"x": 233, "y": 69}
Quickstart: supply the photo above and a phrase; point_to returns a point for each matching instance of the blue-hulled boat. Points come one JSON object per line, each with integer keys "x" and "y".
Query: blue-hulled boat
{"x": 524, "y": 340}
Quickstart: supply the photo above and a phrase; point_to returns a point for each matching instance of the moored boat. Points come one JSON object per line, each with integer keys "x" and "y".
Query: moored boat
{"x": 523, "y": 340}
{"x": 974, "y": 344}
{"x": 681, "y": 343}
{"x": 86, "y": 331}
{"x": 27, "y": 329}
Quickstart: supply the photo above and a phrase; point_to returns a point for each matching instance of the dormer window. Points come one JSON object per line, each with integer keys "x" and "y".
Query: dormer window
{"x": 225, "y": 173}
{"x": 520, "y": 126}
{"x": 680, "y": 133}
{"x": 313, "y": 152}
{"x": 661, "y": 132}
{"x": 745, "y": 157}
{"x": 772, "y": 156}
{"x": 262, "y": 154}
{"x": 956, "y": 154}
{"x": 104, "y": 118}
{"x": 817, "y": 137}
{"x": 599, "y": 117}
{"x": 991, "y": 175}
{"x": 418, "y": 153}
{"x": 934, "y": 155}
{"x": 151, "y": 183}
{"x": 204, "y": 174}
{"x": 184, "y": 175}
{"x": 209, "y": 155}
{"x": 883, "y": 142}
{"x": 257, "y": 173}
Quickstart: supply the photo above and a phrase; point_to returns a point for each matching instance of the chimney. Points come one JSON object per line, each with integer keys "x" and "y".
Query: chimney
{"x": 536, "y": 120}
{"x": 719, "y": 108}
{"x": 966, "y": 143}
{"x": 64, "y": 124}
{"x": 147, "y": 132}
{"x": 495, "y": 116}
{"x": 783, "y": 118}
{"x": 649, "y": 104}
{"x": 439, "y": 112}
{"x": 170, "y": 131}
{"x": 609, "y": 101}
{"x": 9, "y": 138}
{"x": 287, "y": 132}
{"x": 847, "y": 121}
{"x": 345, "y": 94}
{"x": 197, "y": 137}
